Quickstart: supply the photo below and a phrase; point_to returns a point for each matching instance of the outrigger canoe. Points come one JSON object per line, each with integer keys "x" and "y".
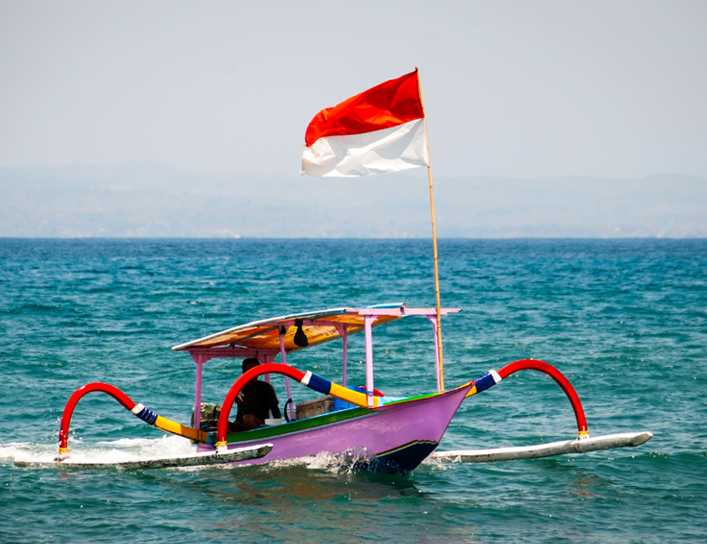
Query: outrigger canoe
{"x": 381, "y": 433}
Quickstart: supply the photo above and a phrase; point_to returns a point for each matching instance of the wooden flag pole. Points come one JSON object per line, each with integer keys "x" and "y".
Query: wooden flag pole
{"x": 434, "y": 244}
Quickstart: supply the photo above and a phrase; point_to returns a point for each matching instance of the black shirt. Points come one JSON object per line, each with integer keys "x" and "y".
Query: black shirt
{"x": 259, "y": 399}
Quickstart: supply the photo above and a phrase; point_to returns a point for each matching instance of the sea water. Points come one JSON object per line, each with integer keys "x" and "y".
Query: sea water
{"x": 624, "y": 320}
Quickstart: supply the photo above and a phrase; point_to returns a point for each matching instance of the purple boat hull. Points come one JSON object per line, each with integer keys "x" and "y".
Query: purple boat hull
{"x": 393, "y": 438}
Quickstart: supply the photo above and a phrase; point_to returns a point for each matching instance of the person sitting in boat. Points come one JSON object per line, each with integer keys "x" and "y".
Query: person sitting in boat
{"x": 255, "y": 402}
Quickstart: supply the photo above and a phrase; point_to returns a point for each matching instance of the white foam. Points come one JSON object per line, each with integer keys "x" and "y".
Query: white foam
{"x": 137, "y": 449}
{"x": 330, "y": 462}
{"x": 437, "y": 464}
{"x": 18, "y": 451}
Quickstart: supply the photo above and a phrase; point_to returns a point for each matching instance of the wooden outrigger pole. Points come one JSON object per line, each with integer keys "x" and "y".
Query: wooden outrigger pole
{"x": 438, "y": 325}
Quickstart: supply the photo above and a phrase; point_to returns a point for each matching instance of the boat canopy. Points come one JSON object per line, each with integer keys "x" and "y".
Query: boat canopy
{"x": 318, "y": 327}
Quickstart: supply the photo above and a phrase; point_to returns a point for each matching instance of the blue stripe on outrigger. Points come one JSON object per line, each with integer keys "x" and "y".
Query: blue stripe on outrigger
{"x": 484, "y": 382}
{"x": 148, "y": 416}
{"x": 319, "y": 384}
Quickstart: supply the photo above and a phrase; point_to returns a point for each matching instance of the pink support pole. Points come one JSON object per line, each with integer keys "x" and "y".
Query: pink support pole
{"x": 367, "y": 322}
{"x": 289, "y": 397}
{"x": 283, "y": 356}
{"x": 433, "y": 319}
{"x": 345, "y": 338}
{"x": 197, "y": 393}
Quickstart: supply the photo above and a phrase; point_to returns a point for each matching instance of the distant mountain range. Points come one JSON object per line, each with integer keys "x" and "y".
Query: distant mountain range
{"x": 152, "y": 200}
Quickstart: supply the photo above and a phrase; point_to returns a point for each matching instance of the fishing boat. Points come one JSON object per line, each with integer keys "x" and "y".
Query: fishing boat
{"x": 380, "y": 130}
{"x": 375, "y": 431}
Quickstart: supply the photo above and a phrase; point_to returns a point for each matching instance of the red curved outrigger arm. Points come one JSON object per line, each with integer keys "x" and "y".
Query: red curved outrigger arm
{"x": 540, "y": 366}
{"x": 139, "y": 410}
{"x": 114, "y": 392}
{"x": 268, "y": 368}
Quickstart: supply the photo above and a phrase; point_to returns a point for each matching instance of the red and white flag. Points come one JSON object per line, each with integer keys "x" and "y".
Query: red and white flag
{"x": 380, "y": 130}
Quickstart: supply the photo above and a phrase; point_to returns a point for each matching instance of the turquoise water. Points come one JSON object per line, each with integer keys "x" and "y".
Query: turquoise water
{"x": 626, "y": 321}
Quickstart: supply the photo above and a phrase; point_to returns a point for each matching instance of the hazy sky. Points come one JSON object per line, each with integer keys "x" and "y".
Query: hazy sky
{"x": 519, "y": 89}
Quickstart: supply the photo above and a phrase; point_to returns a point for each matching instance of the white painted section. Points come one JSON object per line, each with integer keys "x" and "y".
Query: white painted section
{"x": 273, "y": 421}
{"x": 550, "y": 449}
{"x": 389, "y": 150}
{"x": 138, "y": 408}
{"x": 305, "y": 379}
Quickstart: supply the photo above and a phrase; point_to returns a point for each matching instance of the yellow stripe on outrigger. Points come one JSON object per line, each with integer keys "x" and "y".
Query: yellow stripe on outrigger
{"x": 182, "y": 430}
{"x": 471, "y": 392}
{"x": 350, "y": 396}
{"x": 319, "y": 384}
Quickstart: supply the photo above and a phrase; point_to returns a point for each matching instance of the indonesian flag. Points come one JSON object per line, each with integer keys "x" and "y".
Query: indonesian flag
{"x": 380, "y": 130}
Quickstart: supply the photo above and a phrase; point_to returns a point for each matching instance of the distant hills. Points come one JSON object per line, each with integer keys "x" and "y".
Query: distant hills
{"x": 152, "y": 200}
